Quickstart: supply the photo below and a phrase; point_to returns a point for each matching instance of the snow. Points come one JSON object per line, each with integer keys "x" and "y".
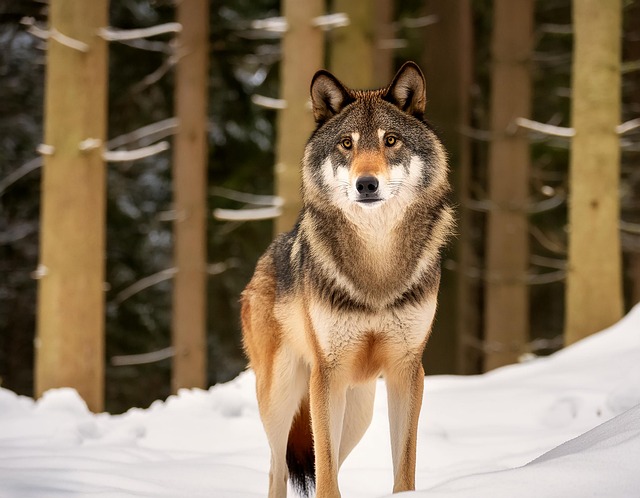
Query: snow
{"x": 563, "y": 426}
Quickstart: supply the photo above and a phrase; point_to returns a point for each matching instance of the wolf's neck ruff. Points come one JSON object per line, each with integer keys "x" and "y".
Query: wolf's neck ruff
{"x": 377, "y": 269}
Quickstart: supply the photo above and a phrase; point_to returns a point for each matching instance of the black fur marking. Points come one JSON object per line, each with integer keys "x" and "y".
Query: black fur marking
{"x": 286, "y": 270}
{"x": 302, "y": 471}
{"x": 434, "y": 217}
{"x": 421, "y": 289}
{"x": 300, "y": 454}
{"x": 338, "y": 298}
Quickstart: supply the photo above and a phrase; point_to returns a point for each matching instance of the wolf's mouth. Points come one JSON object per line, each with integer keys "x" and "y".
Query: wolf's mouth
{"x": 370, "y": 200}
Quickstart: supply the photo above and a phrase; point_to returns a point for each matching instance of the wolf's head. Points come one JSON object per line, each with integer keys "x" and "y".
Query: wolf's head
{"x": 372, "y": 149}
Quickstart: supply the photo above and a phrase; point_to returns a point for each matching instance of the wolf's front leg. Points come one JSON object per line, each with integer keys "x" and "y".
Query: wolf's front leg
{"x": 328, "y": 401}
{"x": 404, "y": 391}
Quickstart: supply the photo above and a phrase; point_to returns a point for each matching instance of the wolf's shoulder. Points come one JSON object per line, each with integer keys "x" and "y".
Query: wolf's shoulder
{"x": 284, "y": 259}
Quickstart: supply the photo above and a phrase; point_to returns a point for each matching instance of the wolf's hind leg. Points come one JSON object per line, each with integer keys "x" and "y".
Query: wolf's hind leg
{"x": 287, "y": 388}
{"x": 357, "y": 416}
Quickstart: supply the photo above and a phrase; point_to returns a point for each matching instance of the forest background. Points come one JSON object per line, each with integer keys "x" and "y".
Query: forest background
{"x": 245, "y": 62}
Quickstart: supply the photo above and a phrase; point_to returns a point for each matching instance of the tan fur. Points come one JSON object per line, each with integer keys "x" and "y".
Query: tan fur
{"x": 369, "y": 164}
{"x": 351, "y": 292}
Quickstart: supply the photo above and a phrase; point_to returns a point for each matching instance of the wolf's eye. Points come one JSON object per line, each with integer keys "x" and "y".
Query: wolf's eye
{"x": 390, "y": 140}
{"x": 346, "y": 143}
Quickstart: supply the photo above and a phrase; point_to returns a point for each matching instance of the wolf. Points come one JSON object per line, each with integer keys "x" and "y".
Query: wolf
{"x": 350, "y": 292}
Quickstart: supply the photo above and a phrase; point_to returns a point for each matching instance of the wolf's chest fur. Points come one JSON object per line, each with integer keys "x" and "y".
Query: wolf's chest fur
{"x": 365, "y": 283}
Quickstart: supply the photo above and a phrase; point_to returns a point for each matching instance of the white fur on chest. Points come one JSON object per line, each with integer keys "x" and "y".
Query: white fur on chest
{"x": 339, "y": 332}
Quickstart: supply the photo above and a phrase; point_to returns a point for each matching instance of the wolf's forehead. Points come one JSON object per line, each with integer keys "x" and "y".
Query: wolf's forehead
{"x": 368, "y": 139}
{"x": 362, "y": 129}
{"x": 366, "y": 118}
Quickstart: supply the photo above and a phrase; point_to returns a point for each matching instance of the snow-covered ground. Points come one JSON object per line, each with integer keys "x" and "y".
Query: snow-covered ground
{"x": 563, "y": 426}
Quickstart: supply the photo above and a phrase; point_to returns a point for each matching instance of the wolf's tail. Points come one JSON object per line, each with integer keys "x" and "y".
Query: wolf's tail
{"x": 300, "y": 456}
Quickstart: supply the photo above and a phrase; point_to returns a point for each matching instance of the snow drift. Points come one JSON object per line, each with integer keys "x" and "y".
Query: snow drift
{"x": 563, "y": 426}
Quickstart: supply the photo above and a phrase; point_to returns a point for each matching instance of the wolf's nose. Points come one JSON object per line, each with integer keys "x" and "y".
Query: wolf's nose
{"x": 367, "y": 185}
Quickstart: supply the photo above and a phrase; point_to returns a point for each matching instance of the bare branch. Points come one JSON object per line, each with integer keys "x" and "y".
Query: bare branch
{"x": 271, "y": 24}
{"x": 560, "y": 131}
{"x": 162, "y": 47}
{"x": 483, "y": 206}
{"x": 547, "y": 204}
{"x": 17, "y": 232}
{"x": 247, "y": 214}
{"x": 114, "y": 156}
{"x": 45, "y": 149}
{"x": 40, "y": 272}
{"x": 112, "y": 34}
{"x": 559, "y": 264}
{"x": 256, "y": 200}
{"x": 628, "y": 126}
{"x": 487, "y": 205}
{"x": 545, "y": 241}
{"x": 417, "y": 22}
{"x": 141, "y": 359}
{"x": 527, "y": 278}
{"x": 555, "y": 131}
{"x": 556, "y": 29}
{"x": 546, "y": 278}
{"x": 274, "y": 206}
{"x": 156, "y": 75}
{"x": 152, "y": 132}
{"x": 218, "y": 268}
{"x": 268, "y": 102}
{"x": 632, "y": 228}
{"x": 145, "y": 283}
{"x": 162, "y": 276}
{"x": 53, "y": 34}
{"x": 89, "y": 144}
{"x": 331, "y": 21}
{"x": 19, "y": 173}
{"x": 630, "y": 66}
{"x": 482, "y": 135}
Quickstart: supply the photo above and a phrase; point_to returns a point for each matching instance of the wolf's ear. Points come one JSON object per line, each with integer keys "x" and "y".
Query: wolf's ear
{"x": 328, "y": 96}
{"x": 408, "y": 90}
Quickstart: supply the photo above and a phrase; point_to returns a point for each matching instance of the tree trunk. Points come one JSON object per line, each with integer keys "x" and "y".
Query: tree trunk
{"x": 302, "y": 56}
{"x": 352, "y": 50}
{"x": 70, "y": 330}
{"x": 507, "y": 247}
{"x": 630, "y": 101}
{"x": 189, "y": 331}
{"x": 383, "y": 51}
{"x": 594, "y": 282}
{"x": 448, "y": 74}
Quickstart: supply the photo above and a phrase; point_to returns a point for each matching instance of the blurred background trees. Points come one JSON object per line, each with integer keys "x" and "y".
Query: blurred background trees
{"x": 457, "y": 45}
